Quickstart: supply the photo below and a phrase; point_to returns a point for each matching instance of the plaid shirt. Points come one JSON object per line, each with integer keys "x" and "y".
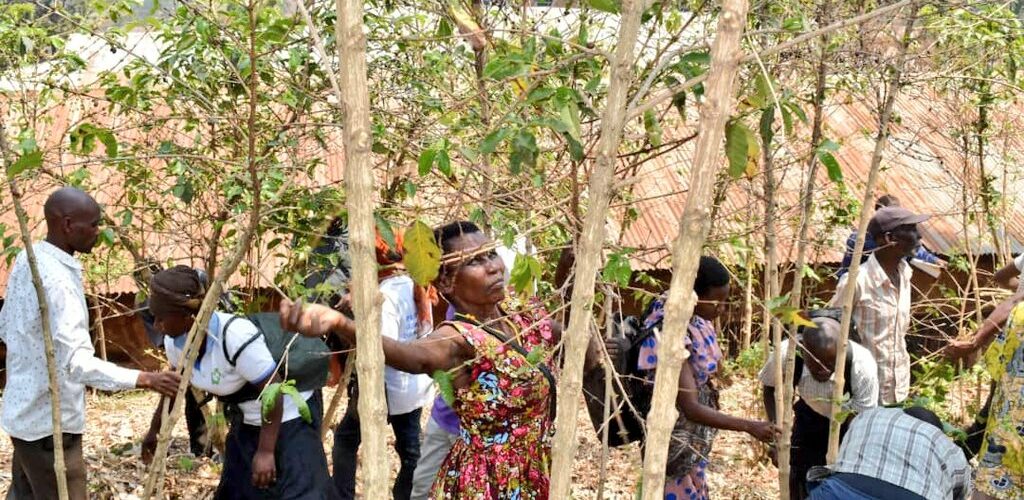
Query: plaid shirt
{"x": 889, "y": 445}
{"x": 882, "y": 314}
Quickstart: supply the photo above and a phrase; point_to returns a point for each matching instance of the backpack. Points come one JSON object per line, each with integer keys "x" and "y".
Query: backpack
{"x": 625, "y": 425}
{"x": 307, "y": 357}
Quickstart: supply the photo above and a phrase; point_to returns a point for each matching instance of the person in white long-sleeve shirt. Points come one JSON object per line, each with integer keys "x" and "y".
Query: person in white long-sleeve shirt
{"x": 72, "y": 222}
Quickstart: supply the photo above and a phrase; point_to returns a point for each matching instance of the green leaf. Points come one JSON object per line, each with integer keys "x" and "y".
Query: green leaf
{"x": 384, "y": 227}
{"x": 501, "y": 68}
{"x": 444, "y": 163}
{"x": 618, "y": 270}
{"x": 767, "y": 120}
{"x": 490, "y": 143}
{"x": 652, "y": 127}
{"x": 268, "y": 399}
{"x": 793, "y": 24}
{"x": 422, "y": 256}
{"x": 107, "y": 237}
{"x": 524, "y": 151}
{"x": 526, "y": 270}
{"x": 570, "y": 116}
{"x": 445, "y": 386}
{"x": 764, "y": 91}
{"x": 299, "y": 401}
{"x": 736, "y": 137}
{"x": 824, "y": 153}
{"x": 835, "y": 172}
{"x": 797, "y": 110}
{"x": 609, "y": 6}
{"x": 426, "y": 161}
{"x": 28, "y": 161}
{"x": 787, "y": 121}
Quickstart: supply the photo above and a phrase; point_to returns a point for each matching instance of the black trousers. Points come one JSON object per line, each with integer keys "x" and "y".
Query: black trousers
{"x": 346, "y": 445}
{"x": 32, "y": 474}
{"x": 808, "y": 447}
{"x": 299, "y": 456}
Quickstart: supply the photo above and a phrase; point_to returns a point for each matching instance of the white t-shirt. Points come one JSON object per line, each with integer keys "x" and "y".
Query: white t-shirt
{"x": 1019, "y": 262}
{"x": 212, "y": 373}
{"x": 405, "y": 391}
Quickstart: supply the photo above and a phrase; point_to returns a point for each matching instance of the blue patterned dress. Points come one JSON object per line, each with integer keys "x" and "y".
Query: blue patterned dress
{"x": 705, "y": 357}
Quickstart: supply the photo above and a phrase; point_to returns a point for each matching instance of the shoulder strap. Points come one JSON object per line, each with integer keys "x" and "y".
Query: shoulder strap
{"x": 848, "y": 382}
{"x": 553, "y": 400}
{"x": 233, "y": 360}
{"x": 798, "y": 370}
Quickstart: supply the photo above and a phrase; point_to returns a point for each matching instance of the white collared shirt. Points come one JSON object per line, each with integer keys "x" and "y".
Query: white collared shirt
{"x": 406, "y": 392}
{"x": 25, "y": 412}
{"x": 882, "y": 315}
{"x": 818, "y": 395}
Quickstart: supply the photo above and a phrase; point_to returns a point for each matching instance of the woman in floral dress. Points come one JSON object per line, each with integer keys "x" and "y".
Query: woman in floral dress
{"x": 499, "y": 360}
{"x": 699, "y": 418}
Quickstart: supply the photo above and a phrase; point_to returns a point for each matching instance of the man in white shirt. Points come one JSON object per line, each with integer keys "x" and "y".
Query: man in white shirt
{"x": 72, "y": 223}
{"x": 814, "y": 379}
{"x": 881, "y": 299}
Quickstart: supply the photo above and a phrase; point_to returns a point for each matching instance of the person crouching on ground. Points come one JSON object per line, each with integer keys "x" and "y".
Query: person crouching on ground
{"x": 814, "y": 379}
{"x": 277, "y": 457}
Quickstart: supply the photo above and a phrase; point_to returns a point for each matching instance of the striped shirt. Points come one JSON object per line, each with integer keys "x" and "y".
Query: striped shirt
{"x": 818, "y": 395}
{"x": 891, "y": 446}
{"x": 882, "y": 314}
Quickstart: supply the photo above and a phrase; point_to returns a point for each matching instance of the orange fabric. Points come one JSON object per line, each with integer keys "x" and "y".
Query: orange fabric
{"x": 390, "y": 262}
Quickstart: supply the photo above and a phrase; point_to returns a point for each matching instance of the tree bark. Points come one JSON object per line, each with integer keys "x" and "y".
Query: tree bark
{"x": 588, "y": 255}
{"x": 359, "y": 198}
{"x": 693, "y": 229}
{"x": 59, "y": 468}
{"x": 785, "y": 411}
{"x": 881, "y": 141}
{"x": 197, "y": 335}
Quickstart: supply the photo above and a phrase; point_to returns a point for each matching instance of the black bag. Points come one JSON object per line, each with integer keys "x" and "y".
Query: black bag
{"x": 629, "y": 408}
{"x": 307, "y": 357}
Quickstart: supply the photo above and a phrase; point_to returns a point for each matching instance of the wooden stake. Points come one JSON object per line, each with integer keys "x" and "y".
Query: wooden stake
{"x": 881, "y": 141}
{"x": 366, "y": 298}
{"x": 588, "y": 256}
{"x": 686, "y": 249}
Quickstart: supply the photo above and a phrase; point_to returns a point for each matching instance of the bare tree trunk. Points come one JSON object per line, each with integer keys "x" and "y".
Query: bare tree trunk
{"x": 748, "y": 300}
{"x": 589, "y": 253}
{"x": 196, "y": 336}
{"x": 59, "y": 468}
{"x": 786, "y": 384}
{"x": 359, "y": 198}
{"x": 772, "y": 289}
{"x": 693, "y": 229}
{"x": 881, "y": 141}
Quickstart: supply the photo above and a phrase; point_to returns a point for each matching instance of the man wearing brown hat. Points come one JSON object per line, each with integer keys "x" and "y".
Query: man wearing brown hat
{"x": 881, "y": 302}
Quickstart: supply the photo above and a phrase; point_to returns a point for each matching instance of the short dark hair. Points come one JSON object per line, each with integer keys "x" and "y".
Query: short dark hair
{"x": 448, "y": 232}
{"x": 887, "y": 200}
{"x": 711, "y": 274}
{"x": 925, "y": 415}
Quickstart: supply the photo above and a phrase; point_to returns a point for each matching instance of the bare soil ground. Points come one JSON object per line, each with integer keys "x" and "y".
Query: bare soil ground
{"x": 739, "y": 467}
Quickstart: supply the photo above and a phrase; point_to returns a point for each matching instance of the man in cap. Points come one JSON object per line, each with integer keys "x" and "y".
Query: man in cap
{"x": 813, "y": 380}
{"x": 881, "y": 298}
{"x": 922, "y": 258}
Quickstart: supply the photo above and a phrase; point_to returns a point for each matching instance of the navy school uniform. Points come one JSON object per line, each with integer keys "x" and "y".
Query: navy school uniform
{"x": 300, "y": 460}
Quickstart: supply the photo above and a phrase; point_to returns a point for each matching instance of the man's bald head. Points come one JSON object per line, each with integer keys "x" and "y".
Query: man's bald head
{"x": 820, "y": 344}
{"x": 72, "y": 220}
{"x": 66, "y": 201}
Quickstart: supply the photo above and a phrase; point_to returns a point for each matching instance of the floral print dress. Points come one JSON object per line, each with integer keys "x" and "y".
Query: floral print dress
{"x": 504, "y": 450}
{"x": 1000, "y": 471}
{"x": 705, "y": 357}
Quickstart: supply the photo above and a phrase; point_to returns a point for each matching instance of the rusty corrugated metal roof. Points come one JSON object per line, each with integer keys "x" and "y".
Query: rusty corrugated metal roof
{"x": 923, "y": 166}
